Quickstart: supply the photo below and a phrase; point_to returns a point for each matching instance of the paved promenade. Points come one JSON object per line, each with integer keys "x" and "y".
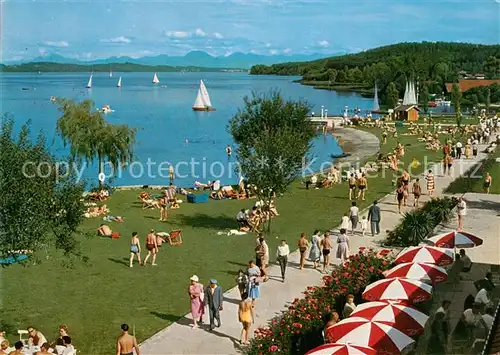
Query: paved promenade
{"x": 180, "y": 338}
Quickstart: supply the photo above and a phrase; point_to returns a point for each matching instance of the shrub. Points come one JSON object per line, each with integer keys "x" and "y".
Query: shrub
{"x": 418, "y": 224}
{"x": 296, "y": 330}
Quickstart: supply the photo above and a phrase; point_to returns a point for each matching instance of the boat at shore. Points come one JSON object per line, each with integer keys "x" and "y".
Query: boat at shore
{"x": 202, "y": 102}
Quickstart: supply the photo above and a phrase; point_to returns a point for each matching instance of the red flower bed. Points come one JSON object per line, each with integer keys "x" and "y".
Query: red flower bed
{"x": 305, "y": 315}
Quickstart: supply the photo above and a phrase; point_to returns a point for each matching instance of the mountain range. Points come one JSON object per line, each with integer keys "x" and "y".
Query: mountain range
{"x": 195, "y": 58}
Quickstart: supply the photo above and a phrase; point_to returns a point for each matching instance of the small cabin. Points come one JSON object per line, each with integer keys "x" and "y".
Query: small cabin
{"x": 406, "y": 113}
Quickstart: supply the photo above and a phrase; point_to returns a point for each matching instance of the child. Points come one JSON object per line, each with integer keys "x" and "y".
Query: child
{"x": 364, "y": 225}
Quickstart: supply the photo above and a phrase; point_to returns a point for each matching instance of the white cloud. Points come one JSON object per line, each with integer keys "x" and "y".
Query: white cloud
{"x": 218, "y": 35}
{"x": 56, "y": 43}
{"x": 200, "y": 33}
{"x": 287, "y": 50}
{"x": 120, "y": 39}
{"x": 273, "y": 51}
{"x": 323, "y": 44}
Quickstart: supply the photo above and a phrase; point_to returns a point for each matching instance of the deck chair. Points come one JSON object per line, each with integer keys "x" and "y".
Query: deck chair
{"x": 22, "y": 332}
{"x": 175, "y": 237}
{"x": 149, "y": 203}
{"x": 172, "y": 200}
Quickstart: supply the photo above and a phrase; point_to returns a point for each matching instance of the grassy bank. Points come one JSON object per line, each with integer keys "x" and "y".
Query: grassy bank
{"x": 359, "y": 88}
{"x": 94, "y": 298}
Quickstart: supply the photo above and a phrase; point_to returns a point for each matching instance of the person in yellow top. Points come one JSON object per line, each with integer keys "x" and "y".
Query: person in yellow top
{"x": 245, "y": 316}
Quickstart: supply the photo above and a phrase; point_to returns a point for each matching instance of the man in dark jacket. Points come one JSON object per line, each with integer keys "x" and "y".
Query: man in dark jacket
{"x": 214, "y": 297}
{"x": 374, "y": 218}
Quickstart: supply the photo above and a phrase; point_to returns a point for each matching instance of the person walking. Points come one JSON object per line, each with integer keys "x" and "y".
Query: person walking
{"x": 343, "y": 245}
{"x": 152, "y": 247}
{"x": 400, "y": 195}
{"x": 163, "y": 208}
{"x": 487, "y": 183}
{"x": 353, "y": 216}
{"x": 374, "y": 218}
{"x": 214, "y": 300}
{"x": 430, "y": 183}
{"x": 315, "y": 252}
{"x": 197, "y": 299}
{"x": 126, "y": 343}
{"x": 417, "y": 192}
{"x": 461, "y": 212}
{"x": 263, "y": 253}
{"x": 326, "y": 246}
{"x": 352, "y": 186}
{"x": 282, "y": 257}
{"x": 135, "y": 249}
{"x": 459, "y": 150}
{"x": 253, "y": 281}
{"x": 362, "y": 186}
{"x": 303, "y": 243}
{"x": 475, "y": 148}
{"x": 246, "y": 318}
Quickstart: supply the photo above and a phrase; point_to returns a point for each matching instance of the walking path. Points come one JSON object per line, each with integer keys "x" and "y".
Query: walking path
{"x": 180, "y": 338}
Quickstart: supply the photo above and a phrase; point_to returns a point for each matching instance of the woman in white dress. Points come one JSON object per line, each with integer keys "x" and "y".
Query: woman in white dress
{"x": 349, "y": 307}
{"x": 343, "y": 245}
{"x": 344, "y": 222}
{"x": 315, "y": 252}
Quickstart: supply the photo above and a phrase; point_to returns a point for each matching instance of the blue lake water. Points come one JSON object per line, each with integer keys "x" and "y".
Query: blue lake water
{"x": 164, "y": 118}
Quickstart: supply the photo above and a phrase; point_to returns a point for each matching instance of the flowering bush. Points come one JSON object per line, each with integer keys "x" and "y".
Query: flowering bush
{"x": 304, "y": 316}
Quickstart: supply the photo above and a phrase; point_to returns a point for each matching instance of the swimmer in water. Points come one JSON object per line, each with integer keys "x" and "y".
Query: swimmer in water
{"x": 229, "y": 150}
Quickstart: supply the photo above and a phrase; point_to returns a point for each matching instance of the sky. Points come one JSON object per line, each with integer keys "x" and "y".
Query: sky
{"x": 93, "y": 29}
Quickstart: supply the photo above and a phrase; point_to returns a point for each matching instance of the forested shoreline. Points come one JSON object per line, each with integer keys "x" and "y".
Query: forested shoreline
{"x": 429, "y": 64}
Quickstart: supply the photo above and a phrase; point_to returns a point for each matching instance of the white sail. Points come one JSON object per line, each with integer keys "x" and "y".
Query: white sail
{"x": 198, "y": 103}
{"x": 413, "y": 94}
{"x": 89, "y": 84}
{"x": 405, "y": 98}
{"x": 110, "y": 74}
{"x": 155, "y": 79}
{"x": 376, "y": 106}
{"x": 204, "y": 94}
{"x": 119, "y": 85}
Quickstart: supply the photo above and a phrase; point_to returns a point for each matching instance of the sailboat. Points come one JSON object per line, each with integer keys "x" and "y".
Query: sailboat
{"x": 155, "y": 79}
{"x": 119, "y": 84}
{"x": 110, "y": 73}
{"x": 202, "y": 102}
{"x": 89, "y": 84}
{"x": 376, "y": 106}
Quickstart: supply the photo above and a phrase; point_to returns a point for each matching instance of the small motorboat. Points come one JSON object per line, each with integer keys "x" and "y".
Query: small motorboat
{"x": 106, "y": 109}
{"x": 52, "y": 99}
{"x": 163, "y": 86}
{"x": 25, "y": 89}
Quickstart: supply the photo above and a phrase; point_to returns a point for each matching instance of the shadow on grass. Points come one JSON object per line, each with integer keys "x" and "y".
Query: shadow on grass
{"x": 207, "y": 221}
{"x": 172, "y": 318}
{"x": 237, "y": 263}
{"x": 124, "y": 261}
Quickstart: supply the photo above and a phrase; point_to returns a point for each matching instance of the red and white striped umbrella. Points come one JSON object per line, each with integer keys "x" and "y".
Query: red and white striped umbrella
{"x": 456, "y": 239}
{"x": 405, "y": 318}
{"x": 398, "y": 289}
{"x": 384, "y": 338}
{"x": 426, "y": 254}
{"x": 342, "y": 349}
{"x": 418, "y": 271}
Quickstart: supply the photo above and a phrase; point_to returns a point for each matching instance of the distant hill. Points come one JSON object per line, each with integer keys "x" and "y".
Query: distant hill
{"x": 45, "y": 67}
{"x": 194, "y": 58}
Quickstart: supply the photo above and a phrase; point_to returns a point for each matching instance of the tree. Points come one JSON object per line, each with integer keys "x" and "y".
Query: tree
{"x": 90, "y": 137}
{"x": 487, "y": 102}
{"x": 40, "y": 198}
{"x": 492, "y": 67}
{"x": 391, "y": 95}
{"x": 424, "y": 97}
{"x": 456, "y": 100}
{"x": 273, "y": 137}
{"x": 332, "y": 75}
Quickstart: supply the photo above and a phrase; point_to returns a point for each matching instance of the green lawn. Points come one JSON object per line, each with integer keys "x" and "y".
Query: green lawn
{"x": 94, "y": 298}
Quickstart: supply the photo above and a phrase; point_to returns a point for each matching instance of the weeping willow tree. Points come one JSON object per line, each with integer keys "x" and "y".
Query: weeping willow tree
{"x": 91, "y": 138}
